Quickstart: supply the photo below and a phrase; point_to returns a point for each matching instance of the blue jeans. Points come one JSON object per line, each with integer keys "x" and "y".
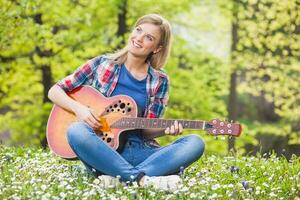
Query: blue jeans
{"x": 136, "y": 158}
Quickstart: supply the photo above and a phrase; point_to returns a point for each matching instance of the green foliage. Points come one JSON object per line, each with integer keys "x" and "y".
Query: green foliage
{"x": 267, "y": 63}
{"x": 28, "y": 173}
{"x": 61, "y": 35}
{"x": 268, "y": 50}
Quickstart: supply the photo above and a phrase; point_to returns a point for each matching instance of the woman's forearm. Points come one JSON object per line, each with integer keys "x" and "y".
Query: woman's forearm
{"x": 60, "y": 98}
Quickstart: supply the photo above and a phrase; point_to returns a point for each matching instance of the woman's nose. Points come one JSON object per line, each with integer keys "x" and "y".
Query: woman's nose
{"x": 139, "y": 37}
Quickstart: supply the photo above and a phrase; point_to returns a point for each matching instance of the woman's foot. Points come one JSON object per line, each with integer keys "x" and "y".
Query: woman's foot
{"x": 107, "y": 181}
{"x": 169, "y": 183}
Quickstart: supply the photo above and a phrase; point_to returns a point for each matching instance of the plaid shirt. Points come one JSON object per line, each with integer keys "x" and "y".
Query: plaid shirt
{"x": 100, "y": 73}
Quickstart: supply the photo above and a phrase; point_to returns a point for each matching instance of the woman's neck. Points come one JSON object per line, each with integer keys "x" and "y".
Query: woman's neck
{"x": 136, "y": 66}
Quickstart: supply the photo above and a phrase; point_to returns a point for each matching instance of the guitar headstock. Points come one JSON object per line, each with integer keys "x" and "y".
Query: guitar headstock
{"x": 217, "y": 127}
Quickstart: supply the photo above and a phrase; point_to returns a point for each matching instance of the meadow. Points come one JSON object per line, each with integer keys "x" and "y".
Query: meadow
{"x": 31, "y": 173}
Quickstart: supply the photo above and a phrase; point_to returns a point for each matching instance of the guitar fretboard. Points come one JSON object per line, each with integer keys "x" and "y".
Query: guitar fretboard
{"x": 146, "y": 123}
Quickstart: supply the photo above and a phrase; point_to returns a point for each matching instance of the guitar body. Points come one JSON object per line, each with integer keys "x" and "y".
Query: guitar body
{"x": 111, "y": 110}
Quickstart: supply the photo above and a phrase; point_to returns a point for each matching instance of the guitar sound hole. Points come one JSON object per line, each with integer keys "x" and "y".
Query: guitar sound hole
{"x": 122, "y": 105}
{"x": 108, "y": 140}
{"x": 116, "y": 105}
{"x": 123, "y": 111}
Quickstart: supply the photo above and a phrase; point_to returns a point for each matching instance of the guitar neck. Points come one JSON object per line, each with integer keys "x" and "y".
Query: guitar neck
{"x": 146, "y": 123}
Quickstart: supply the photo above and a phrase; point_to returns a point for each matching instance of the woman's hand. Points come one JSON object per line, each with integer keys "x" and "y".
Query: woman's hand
{"x": 175, "y": 129}
{"x": 87, "y": 115}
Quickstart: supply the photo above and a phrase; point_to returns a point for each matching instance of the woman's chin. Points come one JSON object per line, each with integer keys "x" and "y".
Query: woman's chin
{"x": 137, "y": 53}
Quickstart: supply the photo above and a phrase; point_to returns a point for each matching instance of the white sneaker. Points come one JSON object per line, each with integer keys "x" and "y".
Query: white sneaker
{"x": 166, "y": 183}
{"x": 107, "y": 181}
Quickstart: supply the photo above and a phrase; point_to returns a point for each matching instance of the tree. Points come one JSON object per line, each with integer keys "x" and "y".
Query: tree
{"x": 42, "y": 42}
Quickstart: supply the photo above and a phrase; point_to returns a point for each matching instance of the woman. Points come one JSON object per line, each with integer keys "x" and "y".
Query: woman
{"x": 134, "y": 71}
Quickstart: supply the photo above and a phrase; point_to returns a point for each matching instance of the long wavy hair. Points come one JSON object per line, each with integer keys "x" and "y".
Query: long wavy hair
{"x": 159, "y": 59}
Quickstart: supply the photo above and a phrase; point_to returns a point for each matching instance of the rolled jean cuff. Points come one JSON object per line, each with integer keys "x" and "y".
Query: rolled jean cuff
{"x": 139, "y": 177}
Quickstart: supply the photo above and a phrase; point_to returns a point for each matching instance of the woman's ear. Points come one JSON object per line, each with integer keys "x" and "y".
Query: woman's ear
{"x": 157, "y": 50}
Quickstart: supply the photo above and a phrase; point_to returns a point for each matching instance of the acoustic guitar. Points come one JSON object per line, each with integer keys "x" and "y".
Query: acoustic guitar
{"x": 118, "y": 113}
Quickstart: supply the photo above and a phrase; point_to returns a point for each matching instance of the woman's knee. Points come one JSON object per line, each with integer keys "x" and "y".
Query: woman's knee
{"x": 75, "y": 132}
{"x": 197, "y": 143}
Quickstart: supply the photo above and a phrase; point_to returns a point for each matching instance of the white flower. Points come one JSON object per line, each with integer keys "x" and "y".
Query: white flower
{"x": 215, "y": 187}
{"x": 62, "y": 194}
{"x": 272, "y": 194}
{"x": 43, "y": 187}
{"x": 96, "y": 181}
{"x": 193, "y": 195}
{"x": 213, "y": 196}
{"x": 192, "y": 182}
{"x": 266, "y": 185}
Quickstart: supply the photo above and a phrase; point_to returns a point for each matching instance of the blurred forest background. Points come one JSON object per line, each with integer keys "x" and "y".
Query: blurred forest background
{"x": 235, "y": 60}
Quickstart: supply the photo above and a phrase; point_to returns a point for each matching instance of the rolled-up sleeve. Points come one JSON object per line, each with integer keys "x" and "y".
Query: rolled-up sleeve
{"x": 81, "y": 76}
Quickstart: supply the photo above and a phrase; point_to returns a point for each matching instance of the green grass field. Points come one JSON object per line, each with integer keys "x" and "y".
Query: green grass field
{"x": 28, "y": 173}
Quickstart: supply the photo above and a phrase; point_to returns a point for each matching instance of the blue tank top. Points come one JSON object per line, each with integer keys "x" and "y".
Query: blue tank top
{"x": 129, "y": 85}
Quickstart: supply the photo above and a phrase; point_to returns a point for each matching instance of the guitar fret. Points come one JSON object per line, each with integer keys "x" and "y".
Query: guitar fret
{"x": 185, "y": 124}
{"x": 143, "y": 123}
{"x": 159, "y": 124}
{"x": 191, "y": 124}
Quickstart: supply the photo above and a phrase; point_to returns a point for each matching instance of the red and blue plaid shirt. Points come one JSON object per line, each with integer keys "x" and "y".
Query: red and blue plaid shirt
{"x": 103, "y": 75}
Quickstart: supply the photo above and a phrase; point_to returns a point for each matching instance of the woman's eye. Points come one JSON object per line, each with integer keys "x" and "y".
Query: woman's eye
{"x": 138, "y": 29}
{"x": 149, "y": 38}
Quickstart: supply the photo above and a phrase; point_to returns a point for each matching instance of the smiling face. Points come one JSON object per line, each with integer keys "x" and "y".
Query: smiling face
{"x": 144, "y": 39}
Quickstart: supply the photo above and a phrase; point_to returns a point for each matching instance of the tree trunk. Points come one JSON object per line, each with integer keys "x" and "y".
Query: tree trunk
{"x": 46, "y": 72}
{"x": 122, "y": 26}
{"x": 46, "y": 81}
{"x": 232, "y": 111}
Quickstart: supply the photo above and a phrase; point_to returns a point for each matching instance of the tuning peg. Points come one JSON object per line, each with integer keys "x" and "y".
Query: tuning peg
{"x": 231, "y": 121}
{"x": 230, "y": 137}
{"x": 216, "y": 137}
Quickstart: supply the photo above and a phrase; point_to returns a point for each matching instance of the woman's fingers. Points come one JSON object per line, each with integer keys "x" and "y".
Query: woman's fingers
{"x": 172, "y": 130}
{"x": 94, "y": 118}
{"x": 180, "y": 128}
{"x": 175, "y": 129}
{"x": 92, "y": 122}
{"x": 167, "y": 131}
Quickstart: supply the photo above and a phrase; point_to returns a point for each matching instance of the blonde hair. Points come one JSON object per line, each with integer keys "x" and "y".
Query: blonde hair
{"x": 157, "y": 60}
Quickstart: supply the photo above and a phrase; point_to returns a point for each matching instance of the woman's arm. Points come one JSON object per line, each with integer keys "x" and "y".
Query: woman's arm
{"x": 83, "y": 113}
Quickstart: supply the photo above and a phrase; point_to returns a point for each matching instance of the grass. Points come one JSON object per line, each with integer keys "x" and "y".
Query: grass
{"x": 28, "y": 173}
